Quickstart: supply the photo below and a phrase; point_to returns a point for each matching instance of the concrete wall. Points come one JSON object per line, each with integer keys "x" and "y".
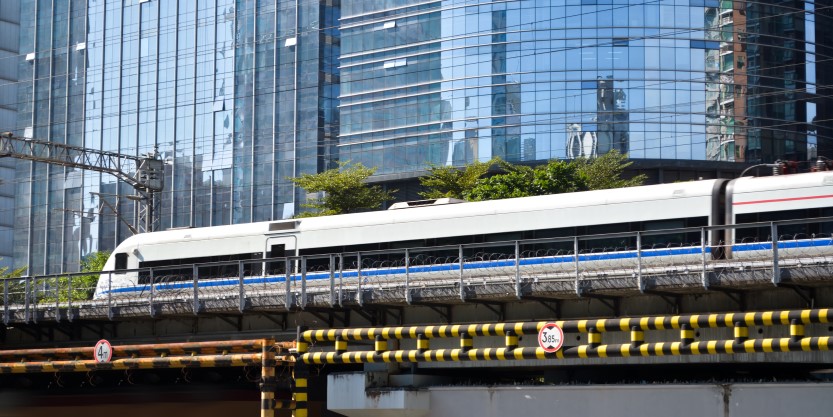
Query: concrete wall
{"x": 732, "y": 400}
{"x": 346, "y": 397}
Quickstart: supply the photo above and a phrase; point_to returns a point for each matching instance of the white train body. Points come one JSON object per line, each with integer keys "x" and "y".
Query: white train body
{"x": 652, "y": 207}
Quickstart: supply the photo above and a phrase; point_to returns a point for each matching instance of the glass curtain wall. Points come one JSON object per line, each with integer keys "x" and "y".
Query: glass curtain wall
{"x": 9, "y": 45}
{"x": 237, "y": 96}
{"x": 450, "y": 82}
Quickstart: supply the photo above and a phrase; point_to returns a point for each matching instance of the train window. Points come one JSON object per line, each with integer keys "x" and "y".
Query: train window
{"x": 671, "y": 238}
{"x": 826, "y": 228}
{"x": 121, "y": 261}
{"x": 181, "y": 270}
{"x": 763, "y": 233}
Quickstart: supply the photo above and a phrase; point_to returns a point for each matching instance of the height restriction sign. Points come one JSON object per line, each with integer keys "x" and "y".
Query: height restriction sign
{"x": 103, "y": 351}
{"x": 551, "y": 337}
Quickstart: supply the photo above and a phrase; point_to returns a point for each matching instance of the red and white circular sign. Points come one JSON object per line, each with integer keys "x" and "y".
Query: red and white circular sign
{"x": 551, "y": 337}
{"x": 103, "y": 351}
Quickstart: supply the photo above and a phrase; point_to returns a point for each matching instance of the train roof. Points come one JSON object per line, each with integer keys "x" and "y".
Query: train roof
{"x": 514, "y": 205}
{"x": 469, "y": 209}
{"x": 782, "y": 182}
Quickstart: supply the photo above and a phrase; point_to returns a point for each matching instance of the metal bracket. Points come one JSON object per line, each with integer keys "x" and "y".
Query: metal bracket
{"x": 496, "y": 307}
{"x": 613, "y": 303}
{"x": 441, "y": 309}
{"x": 371, "y": 318}
{"x": 235, "y": 321}
{"x": 739, "y": 297}
{"x": 673, "y": 300}
{"x": 808, "y": 294}
{"x": 331, "y": 317}
{"x": 551, "y": 304}
{"x": 279, "y": 319}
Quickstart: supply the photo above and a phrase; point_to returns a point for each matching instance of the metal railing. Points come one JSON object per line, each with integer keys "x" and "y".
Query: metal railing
{"x": 634, "y": 261}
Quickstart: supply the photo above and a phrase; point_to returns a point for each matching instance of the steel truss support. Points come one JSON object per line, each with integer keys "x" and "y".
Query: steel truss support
{"x": 144, "y": 174}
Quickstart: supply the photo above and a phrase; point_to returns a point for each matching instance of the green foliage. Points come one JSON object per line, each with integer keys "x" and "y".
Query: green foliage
{"x": 16, "y": 273}
{"x": 555, "y": 177}
{"x": 453, "y": 182}
{"x": 606, "y": 171}
{"x": 344, "y": 188}
{"x": 522, "y": 181}
{"x": 83, "y": 286}
{"x": 16, "y": 286}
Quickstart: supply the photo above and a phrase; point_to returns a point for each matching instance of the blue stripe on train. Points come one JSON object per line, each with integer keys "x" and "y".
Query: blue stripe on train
{"x": 550, "y": 260}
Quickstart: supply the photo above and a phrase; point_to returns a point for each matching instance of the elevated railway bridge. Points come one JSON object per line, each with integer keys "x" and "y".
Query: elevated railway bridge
{"x": 415, "y": 327}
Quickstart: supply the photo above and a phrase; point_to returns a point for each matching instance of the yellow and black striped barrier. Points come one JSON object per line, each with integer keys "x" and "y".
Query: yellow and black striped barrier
{"x": 265, "y": 353}
{"x": 693, "y": 321}
{"x": 203, "y": 361}
{"x": 712, "y": 347}
{"x": 147, "y": 350}
{"x": 685, "y": 345}
{"x": 300, "y": 375}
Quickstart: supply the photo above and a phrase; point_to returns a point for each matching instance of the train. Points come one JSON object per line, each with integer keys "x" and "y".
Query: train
{"x": 442, "y": 223}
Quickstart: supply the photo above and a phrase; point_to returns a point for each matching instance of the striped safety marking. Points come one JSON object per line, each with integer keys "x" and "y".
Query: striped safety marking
{"x": 220, "y": 361}
{"x": 713, "y": 347}
{"x": 694, "y": 321}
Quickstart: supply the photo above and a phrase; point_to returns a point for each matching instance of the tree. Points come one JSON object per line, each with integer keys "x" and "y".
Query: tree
{"x": 83, "y": 286}
{"x": 606, "y": 171}
{"x": 521, "y": 181}
{"x": 344, "y": 190}
{"x": 453, "y": 182}
{"x": 16, "y": 286}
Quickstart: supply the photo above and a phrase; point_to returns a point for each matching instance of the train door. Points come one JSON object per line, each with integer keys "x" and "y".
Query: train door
{"x": 277, "y": 249}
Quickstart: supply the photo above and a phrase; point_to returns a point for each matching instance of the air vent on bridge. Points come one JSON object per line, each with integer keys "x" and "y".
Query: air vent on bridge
{"x": 424, "y": 203}
{"x": 289, "y": 225}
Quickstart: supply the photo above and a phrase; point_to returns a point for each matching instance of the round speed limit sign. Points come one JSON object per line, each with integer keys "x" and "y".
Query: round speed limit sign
{"x": 551, "y": 337}
{"x": 103, "y": 351}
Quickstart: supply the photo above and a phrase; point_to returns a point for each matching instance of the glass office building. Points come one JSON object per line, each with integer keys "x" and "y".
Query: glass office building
{"x": 9, "y": 32}
{"x": 236, "y": 96}
{"x": 239, "y": 95}
{"x": 450, "y": 82}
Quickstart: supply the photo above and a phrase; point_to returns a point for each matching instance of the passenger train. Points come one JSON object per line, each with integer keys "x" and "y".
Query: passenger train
{"x": 646, "y": 208}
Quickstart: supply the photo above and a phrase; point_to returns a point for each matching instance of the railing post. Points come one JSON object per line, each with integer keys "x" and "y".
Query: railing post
{"x": 151, "y": 311}
{"x": 359, "y": 298}
{"x": 576, "y": 254}
{"x": 110, "y": 295}
{"x": 340, "y": 279}
{"x": 58, "y": 297}
{"x": 639, "y": 281}
{"x": 705, "y": 276}
{"x": 196, "y": 306}
{"x": 26, "y": 297}
{"x": 287, "y": 277}
{"x": 407, "y": 277}
{"x": 241, "y": 293}
{"x": 332, "y": 280}
{"x": 303, "y": 301}
{"x": 462, "y": 284}
{"x": 518, "y": 270}
{"x": 776, "y": 269}
{"x": 69, "y": 298}
{"x": 6, "y": 317}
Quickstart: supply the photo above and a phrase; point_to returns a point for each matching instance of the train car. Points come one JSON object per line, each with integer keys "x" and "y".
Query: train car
{"x": 778, "y": 198}
{"x": 655, "y": 207}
